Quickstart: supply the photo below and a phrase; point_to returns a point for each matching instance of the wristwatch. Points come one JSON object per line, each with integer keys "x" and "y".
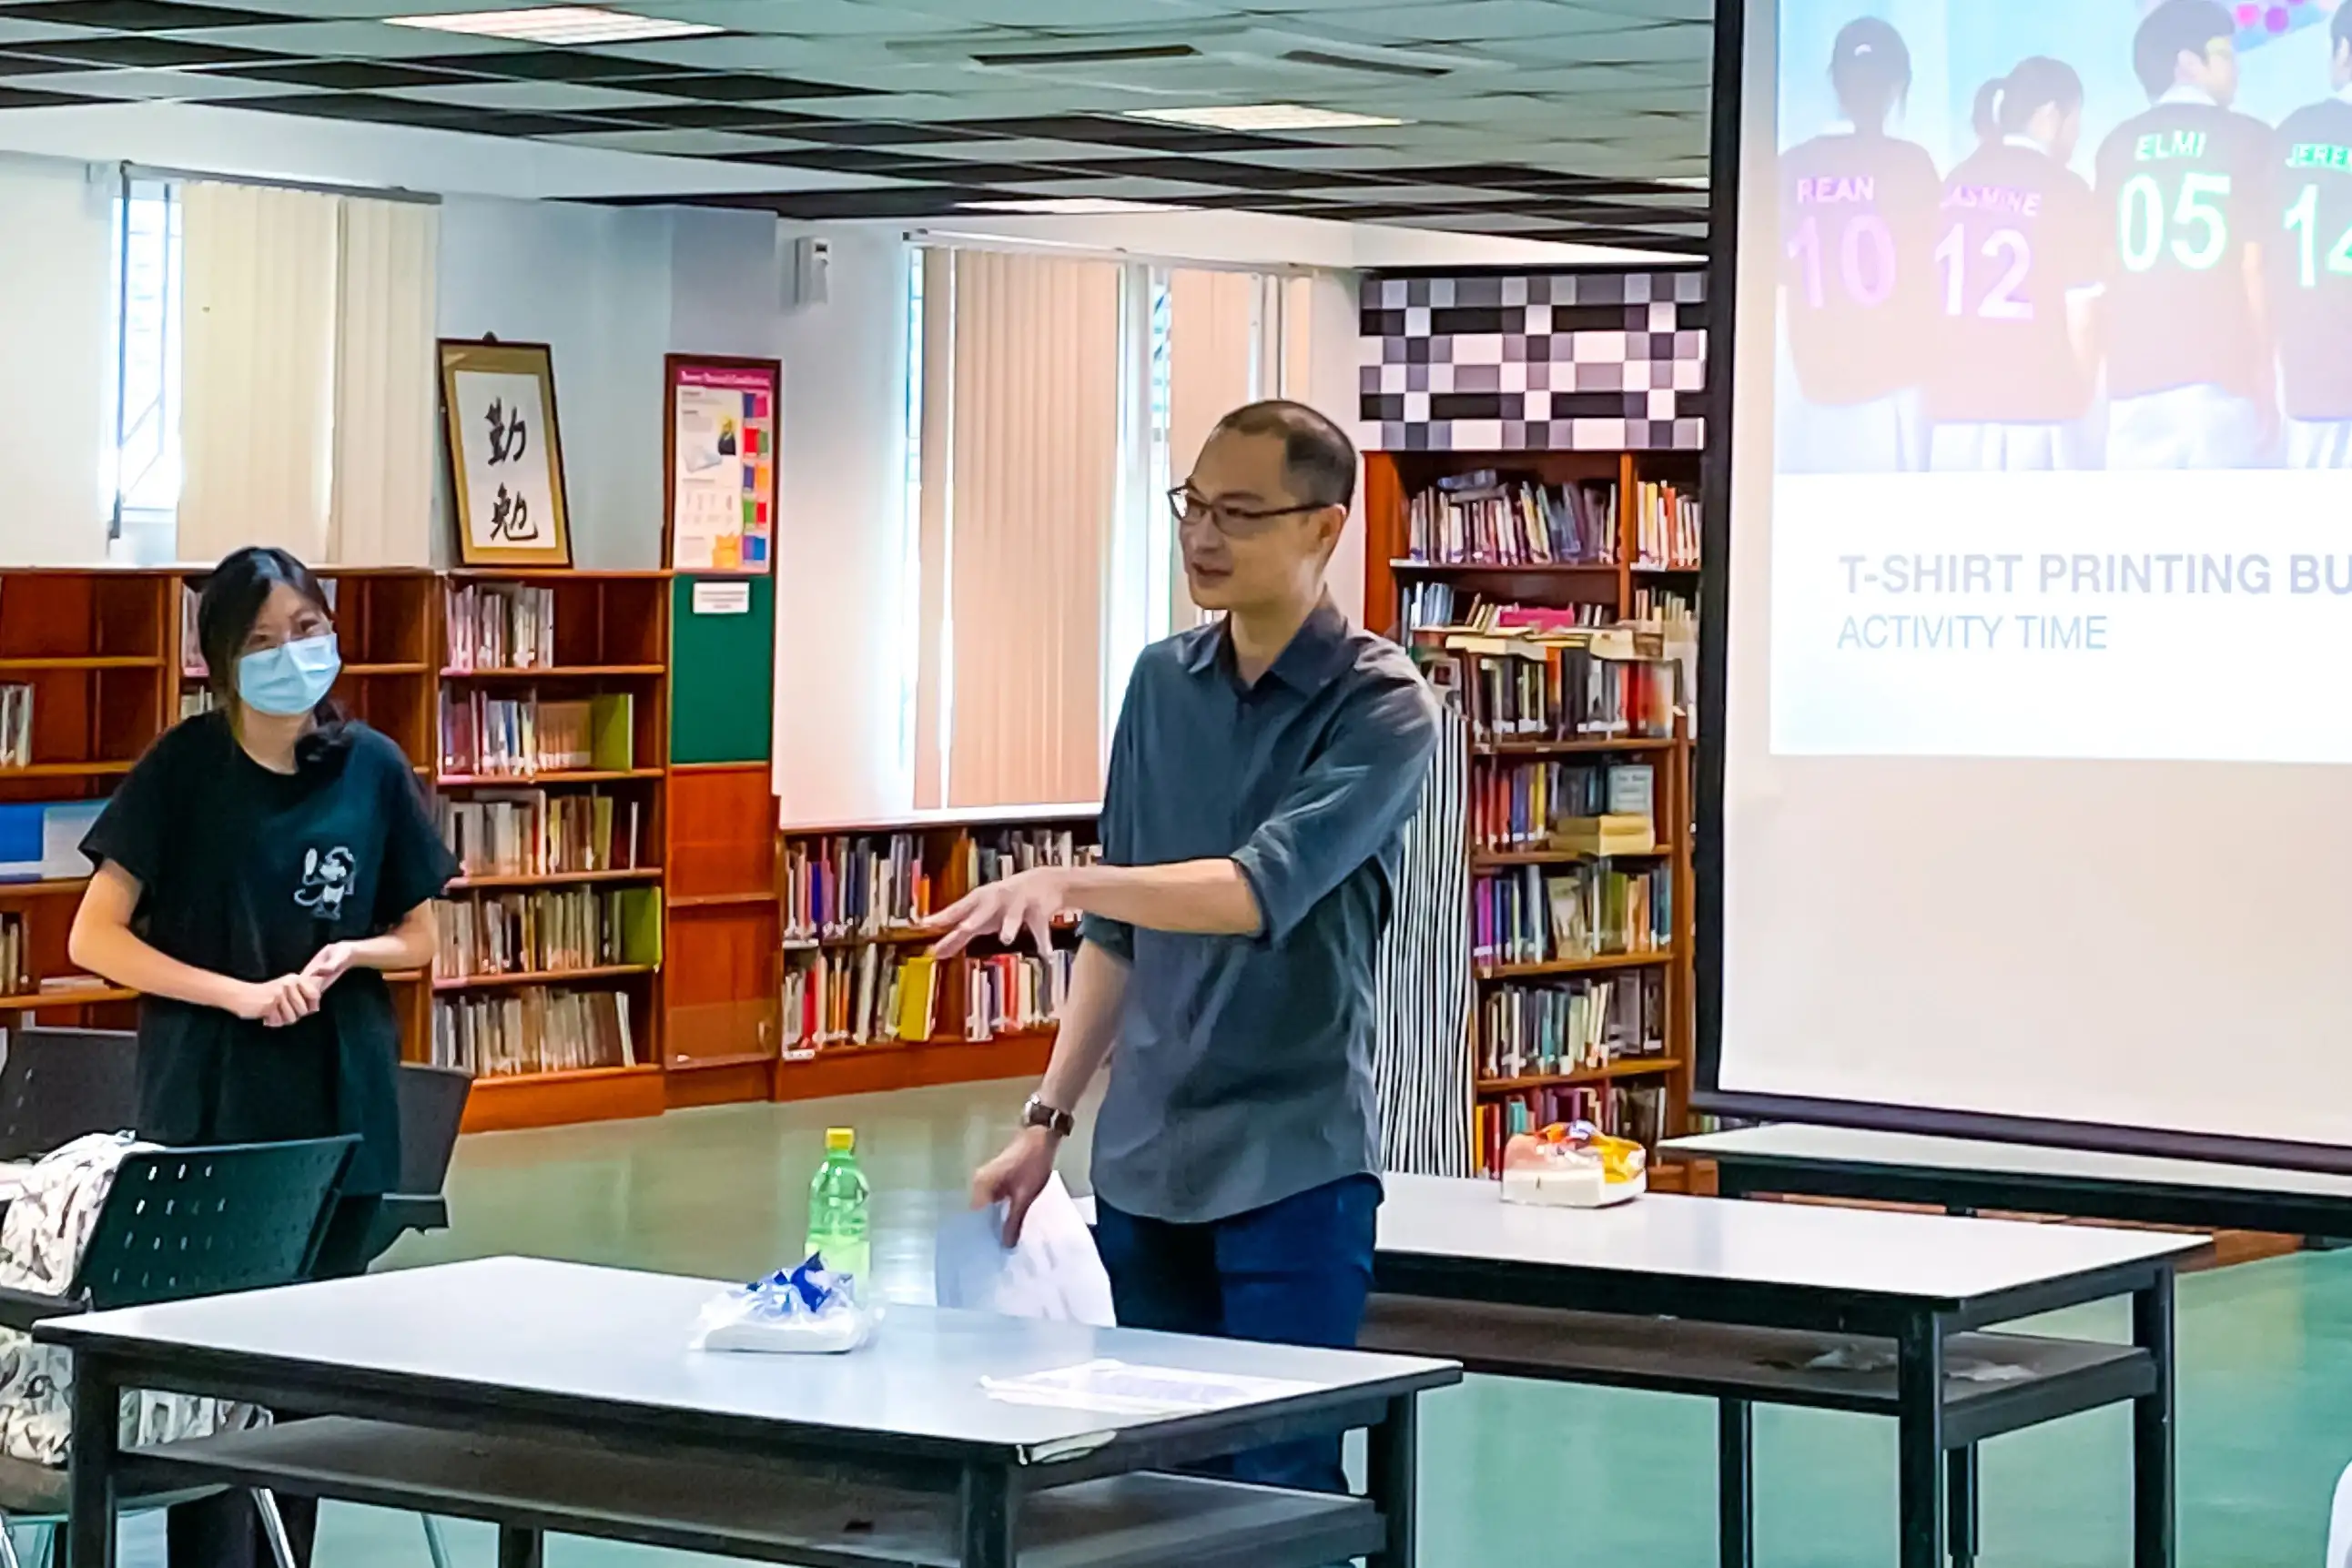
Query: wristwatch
{"x": 1036, "y": 1113}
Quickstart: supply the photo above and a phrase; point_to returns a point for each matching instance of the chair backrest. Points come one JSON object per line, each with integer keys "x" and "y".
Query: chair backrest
{"x": 198, "y": 1222}
{"x": 61, "y": 1084}
{"x": 431, "y": 1107}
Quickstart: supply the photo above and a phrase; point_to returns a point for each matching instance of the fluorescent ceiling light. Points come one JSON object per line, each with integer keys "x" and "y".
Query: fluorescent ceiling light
{"x": 1068, "y": 206}
{"x": 558, "y": 25}
{"x": 1263, "y": 116}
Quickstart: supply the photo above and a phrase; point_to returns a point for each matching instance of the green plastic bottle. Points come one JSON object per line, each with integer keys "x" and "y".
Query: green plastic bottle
{"x": 836, "y": 1226}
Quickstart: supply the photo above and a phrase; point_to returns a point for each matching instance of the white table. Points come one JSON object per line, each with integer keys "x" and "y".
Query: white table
{"x": 1733, "y": 1301}
{"x": 545, "y": 1396}
{"x": 1966, "y": 1174}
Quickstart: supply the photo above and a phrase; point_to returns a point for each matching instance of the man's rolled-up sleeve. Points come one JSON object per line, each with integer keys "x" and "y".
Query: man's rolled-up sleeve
{"x": 1350, "y": 802}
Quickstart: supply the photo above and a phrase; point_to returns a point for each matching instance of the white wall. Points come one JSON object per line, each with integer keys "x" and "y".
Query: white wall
{"x": 57, "y": 315}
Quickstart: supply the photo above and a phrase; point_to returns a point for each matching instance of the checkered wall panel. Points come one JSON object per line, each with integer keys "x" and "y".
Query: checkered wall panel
{"x": 1606, "y": 361}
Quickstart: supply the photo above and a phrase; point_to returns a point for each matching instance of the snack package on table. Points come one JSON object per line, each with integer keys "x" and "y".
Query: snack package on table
{"x": 1573, "y": 1164}
{"x": 793, "y": 1311}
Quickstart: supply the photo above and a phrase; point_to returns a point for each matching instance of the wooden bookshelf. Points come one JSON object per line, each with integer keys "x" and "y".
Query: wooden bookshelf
{"x": 1392, "y": 574}
{"x": 94, "y": 646}
{"x": 941, "y": 842}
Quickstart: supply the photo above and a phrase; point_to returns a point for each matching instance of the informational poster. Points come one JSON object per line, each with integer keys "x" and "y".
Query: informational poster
{"x": 722, "y": 462}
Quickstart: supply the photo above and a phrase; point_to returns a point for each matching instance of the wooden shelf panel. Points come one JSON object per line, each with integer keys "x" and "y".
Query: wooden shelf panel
{"x": 877, "y": 1069}
{"x": 539, "y": 978}
{"x": 558, "y": 1098}
{"x": 58, "y": 887}
{"x": 530, "y": 780}
{"x": 552, "y": 671}
{"x": 1489, "y": 859}
{"x": 1593, "y": 966}
{"x": 720, "y": 899}
{"x": 555, "y": 879}
{"x": 1632, "y": 1067}
{"x": 1583, "y": 746}
{"x": 36, "y": 663}
{"x": 32, "y": 1001}
{"x": 67, "y": 770}
{"x": 1503, "y": 567}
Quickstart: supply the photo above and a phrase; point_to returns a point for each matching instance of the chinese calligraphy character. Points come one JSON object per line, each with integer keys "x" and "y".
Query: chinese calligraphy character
{"x": 511, "y": 518}
{"x": 508, "y": 436}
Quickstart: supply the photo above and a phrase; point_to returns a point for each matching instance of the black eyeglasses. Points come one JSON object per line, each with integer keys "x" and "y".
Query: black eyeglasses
{"x": 1235, "y": 522}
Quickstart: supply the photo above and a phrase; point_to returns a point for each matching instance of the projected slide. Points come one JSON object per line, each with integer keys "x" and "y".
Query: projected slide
{"x": 2061, "y": 414}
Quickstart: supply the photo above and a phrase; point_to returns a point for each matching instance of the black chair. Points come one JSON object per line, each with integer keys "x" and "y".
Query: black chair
{"x": 432, "y": 1108}
{"x": 57, "y": 1085}
{"x": 178, "y": 1224}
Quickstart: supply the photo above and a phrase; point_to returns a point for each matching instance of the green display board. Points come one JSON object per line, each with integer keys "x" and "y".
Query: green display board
{"x": 722, "y": 686}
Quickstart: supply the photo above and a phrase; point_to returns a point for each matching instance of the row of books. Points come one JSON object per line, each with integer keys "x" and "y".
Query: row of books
{"x": 872, "y": 995}
{"x": 1568, "y": 806}
{"x": 521, "y": 736}
{"x": 1665, "y": 527}
{"x": 535, "y": 832}
{"x": 499, "y": 626}
{"x": 1545, "y": 1030}
{"x": 1442, "y": 606}
{"x": 1634, "y": 1111}
{"x": 1668, "y": 611}
{"x": 194, "y": 700}
{"x": 16, "y": 964}
{"x": 860, "y": 884}
{"x": 1543, "y": 914}
{"x": 535, "y": 1028}
{"x": 549, "y": 929}
{"x": 1570, "y": 685}
{"x": 1483, "y": 519}
{"x": 16, "y": 726}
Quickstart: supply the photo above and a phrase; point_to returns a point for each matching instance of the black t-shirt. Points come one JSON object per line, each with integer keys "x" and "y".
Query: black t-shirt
{"x": 1856, "y": 216}
{"x": 2311, "y": 260}
{"x": 2017, "y": 232}
{"x": 2185, "y": 188}
{"x": 249, "y": 872}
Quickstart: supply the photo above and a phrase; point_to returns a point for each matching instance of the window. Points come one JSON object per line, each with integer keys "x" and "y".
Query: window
{"x": 140, "y": 469}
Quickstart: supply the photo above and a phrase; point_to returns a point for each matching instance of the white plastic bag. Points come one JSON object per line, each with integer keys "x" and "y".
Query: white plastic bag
{"x": 802, "y": 1311}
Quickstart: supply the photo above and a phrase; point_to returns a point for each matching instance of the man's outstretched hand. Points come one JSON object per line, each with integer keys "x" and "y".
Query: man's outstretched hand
{"x": 1015, "y": 1177}
{"x": 1025, "y": 901}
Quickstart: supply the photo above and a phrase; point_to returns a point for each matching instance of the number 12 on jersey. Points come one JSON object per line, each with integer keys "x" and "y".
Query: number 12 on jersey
{"x": 2303, "y": 222}
{"x": 2000, "y": 302}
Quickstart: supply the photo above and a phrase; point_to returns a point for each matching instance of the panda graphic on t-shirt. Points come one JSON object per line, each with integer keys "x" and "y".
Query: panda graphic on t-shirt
{"x": 326, "y": 881}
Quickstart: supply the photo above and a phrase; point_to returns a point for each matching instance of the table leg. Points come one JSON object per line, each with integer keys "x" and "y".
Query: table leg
{"x": 985, "y": 1501}
{"x": 2153, "y": 1545}
{"x": 1920, "y": 1392}
{"x": 1735, "y": 1483}
{"x": 89, "y": 1463}
{"x": 1960, "y": 1495}
{"x": 520, "y": 1548}
{"x": 1392, "y": 1453}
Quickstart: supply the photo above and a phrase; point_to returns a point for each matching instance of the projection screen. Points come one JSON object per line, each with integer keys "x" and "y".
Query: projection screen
{"x": 2027, "y": 721}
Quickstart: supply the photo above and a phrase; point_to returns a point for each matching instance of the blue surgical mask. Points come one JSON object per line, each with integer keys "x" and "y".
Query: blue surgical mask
{"x": 292, "y": 678}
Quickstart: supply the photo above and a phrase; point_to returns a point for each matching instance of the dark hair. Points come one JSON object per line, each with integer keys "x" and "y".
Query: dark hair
{"x": 2174, "y": 28}
{"x": 2342, "y": 30}
{"x": 1870, "y": 68}
{"x": 2006, "y": 105}
{"x": 1318, "y": 459}
{"x": 230, "y": 604}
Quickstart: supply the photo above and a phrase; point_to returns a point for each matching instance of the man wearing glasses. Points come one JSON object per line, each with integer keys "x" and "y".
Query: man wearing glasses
{"x": 1261, "y": 777}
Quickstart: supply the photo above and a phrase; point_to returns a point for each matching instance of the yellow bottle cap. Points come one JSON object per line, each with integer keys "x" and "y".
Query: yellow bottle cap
{"x": 840, "y": 1139}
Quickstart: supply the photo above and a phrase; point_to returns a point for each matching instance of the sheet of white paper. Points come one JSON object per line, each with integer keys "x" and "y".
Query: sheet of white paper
{"x": 1117, "y": 1388}
{"x": 1054, "y": 1273}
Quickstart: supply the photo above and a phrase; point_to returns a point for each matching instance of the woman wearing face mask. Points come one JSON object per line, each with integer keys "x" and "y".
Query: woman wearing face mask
{"x": 257, "y": 871}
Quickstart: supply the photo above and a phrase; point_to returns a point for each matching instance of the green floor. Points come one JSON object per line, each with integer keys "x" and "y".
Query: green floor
{"x": 1510, "y": 1471}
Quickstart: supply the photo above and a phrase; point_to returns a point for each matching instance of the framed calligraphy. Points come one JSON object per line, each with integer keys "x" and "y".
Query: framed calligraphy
{"x": 506, "y": 456}
{"x": 720, "y": 424}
